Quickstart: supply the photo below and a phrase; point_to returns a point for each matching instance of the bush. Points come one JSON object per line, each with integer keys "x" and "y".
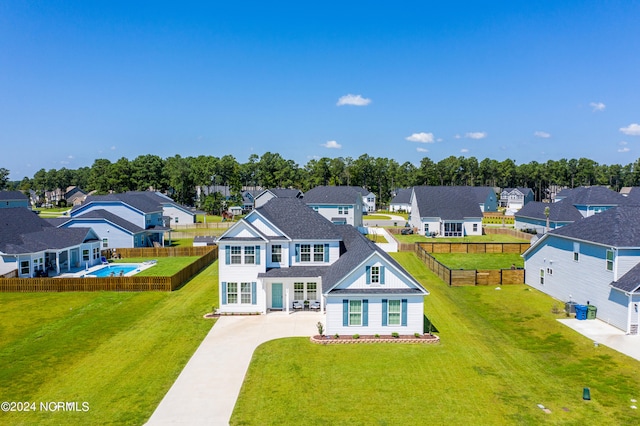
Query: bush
{"x": 320, "y": 328}
{"x": 377, "y": 336}
{"x": 356, "y": 336}
{"x": 395, "y": 334}
{"x": 417, "y": 335}
{"x": 336, "y": 336}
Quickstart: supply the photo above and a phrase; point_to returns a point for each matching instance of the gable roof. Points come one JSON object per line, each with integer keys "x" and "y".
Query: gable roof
{"x": 629, "y": 282}
{"x": 334, "y": 195}
{"x": 12, "y": 196}
{"x": 562, "y": 211}
{"x": 137, "y": 200}
{"x": 403, "y": 196}
{"x": 449, "y": 202}
{"x": 592, "y": 195}
{"x": 355, "y": 249}
{"x": 617, "y": 227}
{"x": 286, "y": 193}
{"x": 109, "y": 217}
{"x": 522, "y": 190}
{"x": 296, "y": 220}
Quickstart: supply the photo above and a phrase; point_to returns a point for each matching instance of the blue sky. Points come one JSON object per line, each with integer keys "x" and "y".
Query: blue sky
{"x": 81, "y": 80}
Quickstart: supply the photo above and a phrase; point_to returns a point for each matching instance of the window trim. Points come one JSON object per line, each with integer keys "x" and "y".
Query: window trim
{"x": 276, "y": 250}
{"x": 609, "y": 261}
{"x": 398, "y": 313}
{"x": 353, "y": 313}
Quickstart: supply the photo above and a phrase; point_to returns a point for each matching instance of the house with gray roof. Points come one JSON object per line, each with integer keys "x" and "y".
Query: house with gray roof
{"x": 31, "y": 246}
{"x": 264, "y": 196}
{"x": 401, "y": 202}
{"x": 284, "y": 256}
{"x": 595, "y": 260}
{"x": 570, "y": 205}
{"x": 341, "y": 205}
{"x": 125, "y": 220}
{"x": 513, "y": 199}
{"x": 9, "y": 199}
{"x": 447, "y": 211}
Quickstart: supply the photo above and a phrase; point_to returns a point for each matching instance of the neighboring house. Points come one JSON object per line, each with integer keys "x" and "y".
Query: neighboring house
{"x": 204, "y": 240}
{"x": 574, "y": 204}
{"x": 513, "y": 199}
{"x": 32, "y": 246}
{"x": 402, "y": 201}
{"x": 447, "y": 211}
{"x": 203, "y": 191}
{"x": 177, "y": 214}
{"x": 74, "y": 196}
{"x": 9, "y": 199}
{"x": 263, "y": 197}
{"x": 595, "y": 260}
{"x": 341, "y": 205}
{"x": 368, "y": 201}
{"x": 248, "y": 199}
{"x": 284, "y": 252}
{"x": 126, "y": 220}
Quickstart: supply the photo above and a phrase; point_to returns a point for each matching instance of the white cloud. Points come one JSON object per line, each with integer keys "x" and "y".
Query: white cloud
{"x": 476, "y": 135}
{"x": 356, "y": 100}
{"x": 113, "y": 147}
{"x": 421, "y": 149}
{"x": 631, "y": 129}
{"x": 597, "y": 106}
{"x": 543, "y": 135}
{"x": 457, "y": 136}
{"x": 464, "y": 150}
{"x": 332, "y": 145}
{"x": 70, "y": 157}
{"x": 421, "y": 137}
{"x": 624, "y": 149}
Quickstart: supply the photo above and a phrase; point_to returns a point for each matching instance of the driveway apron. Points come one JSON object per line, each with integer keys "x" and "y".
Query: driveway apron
{"x": 207, "y": 388}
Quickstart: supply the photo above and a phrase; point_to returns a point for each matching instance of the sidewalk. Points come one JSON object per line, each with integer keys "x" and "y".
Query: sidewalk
{"x": 207, "y": 388}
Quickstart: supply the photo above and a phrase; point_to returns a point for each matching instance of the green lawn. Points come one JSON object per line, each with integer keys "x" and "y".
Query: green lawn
{"x": 480, "y": 260}
{"x": 502, "y": 353}
{"x": 165, "y": 266}
{"x": 119, "y": 352}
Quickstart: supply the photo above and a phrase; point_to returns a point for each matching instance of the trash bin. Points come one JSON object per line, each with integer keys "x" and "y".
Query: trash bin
{"x": 581, "y": 312}
{"x": 591, "y": 312}
{"x": 570, "y": 307}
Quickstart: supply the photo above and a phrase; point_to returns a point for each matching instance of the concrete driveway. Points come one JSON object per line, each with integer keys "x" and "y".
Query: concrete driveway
{"x": 206, "y": 390}
{"x": 604, "y": 334}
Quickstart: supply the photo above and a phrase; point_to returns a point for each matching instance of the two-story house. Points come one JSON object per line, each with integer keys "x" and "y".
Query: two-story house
{"x": 513, "y": 199}
{"x": 284, "y": 253}
{"x": 9, "y": 199}
{"x": 341, "y": 205}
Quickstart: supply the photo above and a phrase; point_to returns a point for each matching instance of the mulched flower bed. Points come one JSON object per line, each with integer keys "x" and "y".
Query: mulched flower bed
{"x": 409, "y": 338}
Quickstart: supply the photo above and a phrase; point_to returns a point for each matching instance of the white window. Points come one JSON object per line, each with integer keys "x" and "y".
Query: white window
{"x": 245, "y": 293}
{"x": 298, "y": 291}
{"x": 305, "y": 252}
{"x": 276, "y": 254}
{"x": 249, "y": 255}
{"x": 236, "y": 255}
{"x": 311, "y": 291}
{"x": 609, "y": 260}
{"x": 375, "y": 274}
{"x": 426, "y": 229}
{"x": 232, "y": 292}
{"x": 318, "y": 252}
{"x": 541, "y": 276}
{"x": 576, "y": 252}
{"x": 475, "y": 227}
{"x": 394, "y": 311}
{"x": 85, "y": 255}
{"x": 355, "y": 312}
{"x": 105, "y": 242}
{"x": 453, "y": 229}
{"x": 96, "y": 252}
{"x": 24, "y": 267}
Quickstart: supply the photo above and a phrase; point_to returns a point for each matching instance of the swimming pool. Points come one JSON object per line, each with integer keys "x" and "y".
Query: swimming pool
{"x": 113, "y": 270}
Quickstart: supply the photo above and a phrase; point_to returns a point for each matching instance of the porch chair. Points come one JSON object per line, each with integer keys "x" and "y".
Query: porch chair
{"x": 104, "y": 260}
{"x": 314, "y": 305}
{"x": 297, "y": 306}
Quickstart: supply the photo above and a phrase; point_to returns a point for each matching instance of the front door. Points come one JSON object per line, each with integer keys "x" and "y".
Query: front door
{"x": 276, "y": 296}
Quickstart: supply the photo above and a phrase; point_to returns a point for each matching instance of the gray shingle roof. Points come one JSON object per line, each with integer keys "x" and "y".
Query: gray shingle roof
{"x": 630, "y": 281}
{"x": 286, "y": 193}
{"x": 297, "y": 220}
{"x": 617, "y": 227}
{"x": 106, "y": 215}
{"x": 22, "y": 231}
{"x": 402, "y": 197}
{"x": 592, "y": 195}
{"x": 333, "y": 195}
{"x": 295, "y": 271}
{"x": 12, "y": 196}
{"x": 378, "y": 290}
{"x": 138, "y": 200}
{"x": 562, "y": 211}
{"x": 448, "y": 202}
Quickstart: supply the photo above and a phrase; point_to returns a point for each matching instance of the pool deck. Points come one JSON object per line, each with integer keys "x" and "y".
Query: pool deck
{"x": 81, "y": 272}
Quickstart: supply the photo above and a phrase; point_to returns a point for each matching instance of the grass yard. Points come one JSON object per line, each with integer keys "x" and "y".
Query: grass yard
{"x": 377, "y": 238}
{"x": 165, "y": 266}
{"x": 119, "y": 352}
{"x": 502, "y": 353}
{"x": 480, "y": 260}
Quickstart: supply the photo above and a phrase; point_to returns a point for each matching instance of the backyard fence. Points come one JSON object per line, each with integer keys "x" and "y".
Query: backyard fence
{"x": 134, "y": 283}
{"x": 491, "y": 247}
{"x": 460, "y": 277}
{"x": 507, "y": 231}
{"x": 208, "y": 225}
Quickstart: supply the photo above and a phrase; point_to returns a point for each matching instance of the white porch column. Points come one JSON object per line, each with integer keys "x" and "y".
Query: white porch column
{"x": 68, "y": 260}
{"x": 286, "y": 299}
{"x": 57, "y": 263}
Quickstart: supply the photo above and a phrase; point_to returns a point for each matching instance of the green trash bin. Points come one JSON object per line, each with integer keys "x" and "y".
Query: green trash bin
{"x": 591, "y": 312}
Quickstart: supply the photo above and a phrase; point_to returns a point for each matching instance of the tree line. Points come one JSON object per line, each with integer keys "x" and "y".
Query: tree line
{"x": 179, "y": 176}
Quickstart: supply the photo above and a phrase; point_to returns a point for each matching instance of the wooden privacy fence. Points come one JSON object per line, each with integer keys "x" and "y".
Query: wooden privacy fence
{"x": 437, "y": 247}
{"x": 460, "y": 277}
{"x": 135, "y": 283}
{"x": 208, "y": 225}
{"x": 153, "y": 252}
{"x": 507, "y": 231}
